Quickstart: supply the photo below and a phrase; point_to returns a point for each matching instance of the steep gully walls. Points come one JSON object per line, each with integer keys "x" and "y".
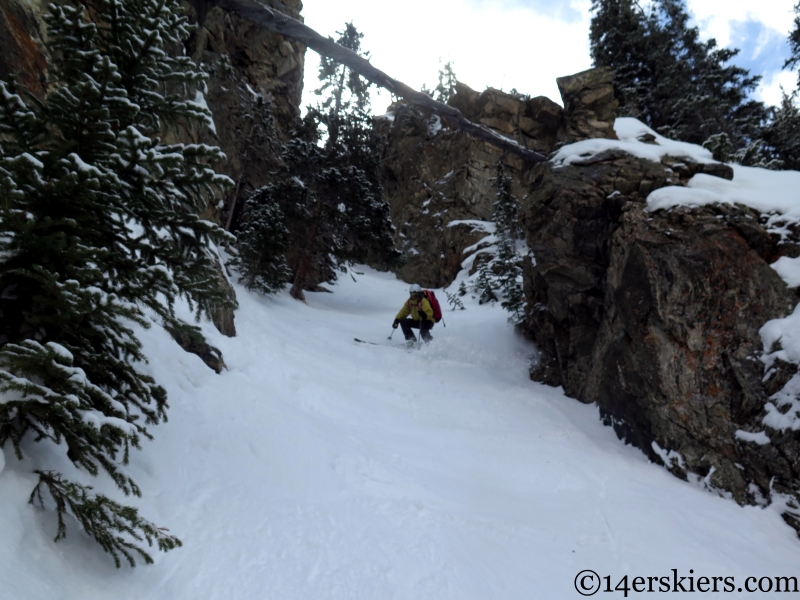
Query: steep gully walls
{"x": 653, "y": 316}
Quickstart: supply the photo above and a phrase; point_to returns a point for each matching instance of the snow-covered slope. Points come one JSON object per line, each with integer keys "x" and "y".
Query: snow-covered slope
{"x": 320, "y": 468}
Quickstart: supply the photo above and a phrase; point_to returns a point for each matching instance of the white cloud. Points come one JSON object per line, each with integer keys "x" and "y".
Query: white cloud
{"x": 769, "y": 91}
{"x": 715, "y": 16}
{"x": 508, "y": 47}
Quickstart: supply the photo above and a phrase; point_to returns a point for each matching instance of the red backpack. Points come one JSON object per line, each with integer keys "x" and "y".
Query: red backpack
{"x": 437, "y": 310}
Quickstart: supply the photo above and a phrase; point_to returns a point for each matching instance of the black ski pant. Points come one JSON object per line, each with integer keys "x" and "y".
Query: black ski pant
{"x": 423, "y": 326}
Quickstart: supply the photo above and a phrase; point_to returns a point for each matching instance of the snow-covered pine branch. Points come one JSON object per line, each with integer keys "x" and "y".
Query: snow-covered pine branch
{"x": 98, "y": 227}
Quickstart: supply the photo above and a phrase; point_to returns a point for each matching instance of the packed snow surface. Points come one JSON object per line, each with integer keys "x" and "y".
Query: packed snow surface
{"x": 317, "y": 467}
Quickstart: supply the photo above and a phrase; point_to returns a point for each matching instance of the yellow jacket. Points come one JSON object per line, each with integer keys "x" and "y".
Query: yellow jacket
{"x": 412, "y": 307}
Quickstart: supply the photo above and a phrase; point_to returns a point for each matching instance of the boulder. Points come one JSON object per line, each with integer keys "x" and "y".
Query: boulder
{"x": 675, "y": 361}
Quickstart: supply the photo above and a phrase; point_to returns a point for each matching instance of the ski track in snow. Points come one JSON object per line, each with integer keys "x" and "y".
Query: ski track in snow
{"x": 318, "y": 467}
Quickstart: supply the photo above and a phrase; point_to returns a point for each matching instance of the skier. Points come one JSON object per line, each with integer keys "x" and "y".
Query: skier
{"x": 421, "y": 316}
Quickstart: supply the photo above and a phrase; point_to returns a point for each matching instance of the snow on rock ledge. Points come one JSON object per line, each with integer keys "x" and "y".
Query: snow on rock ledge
{"x": 769, "y": 192}
{"x": 636, "y": 139}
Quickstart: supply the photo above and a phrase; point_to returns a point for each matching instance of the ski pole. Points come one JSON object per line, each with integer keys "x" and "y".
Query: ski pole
{"x": 391, "y": 334}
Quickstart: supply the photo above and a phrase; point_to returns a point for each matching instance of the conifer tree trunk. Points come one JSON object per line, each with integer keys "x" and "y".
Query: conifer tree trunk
{"x": 304, "y": 266}
{"x": 333, "y": 129}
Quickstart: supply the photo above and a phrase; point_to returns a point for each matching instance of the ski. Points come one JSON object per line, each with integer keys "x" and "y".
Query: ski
{"x": 416, "y": 346}
{"x": 403, "y": 346}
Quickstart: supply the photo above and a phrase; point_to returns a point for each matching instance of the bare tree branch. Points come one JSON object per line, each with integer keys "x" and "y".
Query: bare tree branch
{"x": 294, "y": 29}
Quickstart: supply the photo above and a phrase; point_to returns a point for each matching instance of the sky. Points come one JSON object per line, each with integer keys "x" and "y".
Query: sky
{"x": 526, "y": 44}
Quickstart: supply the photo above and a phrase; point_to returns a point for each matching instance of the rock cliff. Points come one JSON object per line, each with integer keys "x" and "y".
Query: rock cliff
{"x": 655, "y": 317}
{"x": 254, "y": 89}
{"x": 22, "y": 53}
{"x": 437, "y": 179}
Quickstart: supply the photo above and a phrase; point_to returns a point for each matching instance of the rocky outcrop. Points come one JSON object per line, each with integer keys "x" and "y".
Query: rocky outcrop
{"x": 589, "y": 104}
{"x": 536, "y": 123}
{"x": 254, "y": 89}
{"x": 223, "y": 317}
{"x": 432, "y": 180}
{"x": 656, "y": 316}
{"x": 22, "y": 52}
{"x": 436, "y": 178}
{"x": 191, "y": 339}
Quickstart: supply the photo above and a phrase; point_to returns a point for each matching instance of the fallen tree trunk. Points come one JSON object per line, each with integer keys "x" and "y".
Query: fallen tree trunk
{"x": 294, "y": 29}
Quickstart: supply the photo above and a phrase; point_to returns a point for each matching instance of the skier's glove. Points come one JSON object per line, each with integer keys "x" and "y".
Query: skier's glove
{"x": 396, "y": 323}
{"x": 423, "y": 316}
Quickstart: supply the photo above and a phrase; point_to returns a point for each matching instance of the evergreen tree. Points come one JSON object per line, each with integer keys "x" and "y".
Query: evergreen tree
{"x": 446, "y": 88}
{"x": 98, "y": 226}
{"x": 794, "y": 43}
{"x": 486, "y": 283}
{"x": 680, "y": 86}
{"x": 262, "y": 241}
{"x": 501, "y": 275}
{"x": 334, "y": 156}
{"x": 327, "y": 191}
{"x": 454, "y": 301}
{"x": 720, "y": 145}
{"x": 757, "y": 153}
{"x": 618, "y": 39}
{"x": 782, "y": 135}
{"x": 508, "y": 272}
